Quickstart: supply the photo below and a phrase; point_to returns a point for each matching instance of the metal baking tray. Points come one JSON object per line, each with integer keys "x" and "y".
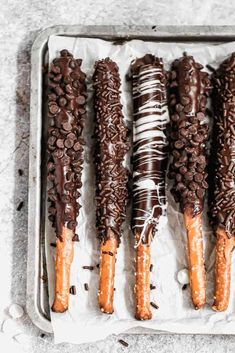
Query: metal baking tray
{"x": 37, "y": 286}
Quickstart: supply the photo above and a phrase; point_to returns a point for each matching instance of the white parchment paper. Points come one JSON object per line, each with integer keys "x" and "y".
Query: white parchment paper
{"x": 84, "y": 322}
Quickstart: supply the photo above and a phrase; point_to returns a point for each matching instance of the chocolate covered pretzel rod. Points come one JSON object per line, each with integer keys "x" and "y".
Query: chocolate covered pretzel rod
{"x": 111, "y": 176}
{"x": 66, "y": 106}
{"x": 189, "y": 88}
{"x": 149, "y": 168}
{"x": 223, "y": 184}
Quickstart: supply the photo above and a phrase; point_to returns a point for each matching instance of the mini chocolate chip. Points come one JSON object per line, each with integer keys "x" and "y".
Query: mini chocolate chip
{"x": 193, "y": 186}
{"x": 65, "y": 53}
{"x": 72, "y": 225}
{"x": 188, "y": 176}
{"x": 65, "y": 160}
{"x": 77, "y": 146}
{"x": 65, "y": 198}
{"x": 68, "y": 143}
{"x": 62, "y": 102}
{"x": 58, "y": 154}
{"x": 185, "y": 100}
{"x": 179, "y": 107}
{"x": 71, "y": 136}
{"x": 81, "y": 100}
{"x": 67, "y": 126}
{"x": 60, "y": 143}
{"x": 198, "y": 177}
{"x": 52, "y": 97}
{"x": 183, "y": 170}
{"x": 53, "y": 109}
{"x": 178, "y": 144}
{"x": 200, "y": 116}
{"x": 75, "y": 237}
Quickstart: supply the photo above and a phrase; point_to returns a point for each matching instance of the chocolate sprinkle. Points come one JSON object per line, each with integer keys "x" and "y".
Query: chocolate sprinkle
{"x": 222, "y": 191}
{"x": 152, "y": 286}
{"x": 19, "y": 207}
{"x": 124, "y": 343}
{"x": 189, "y": 88}
{"x": 65, "y": 130}
{"x": 86, "y": 287}
{"x": 154, "y": 305}
{"x": 151, "y": 268}
{"x": 111, "y": 147}
{"x": 91, "y": 268}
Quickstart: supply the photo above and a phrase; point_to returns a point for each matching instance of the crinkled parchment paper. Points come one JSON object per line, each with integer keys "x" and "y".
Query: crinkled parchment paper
{"x": 83, "y": 322}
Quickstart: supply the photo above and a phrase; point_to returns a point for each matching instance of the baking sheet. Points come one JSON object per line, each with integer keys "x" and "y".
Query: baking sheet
{"x": 83, "y": 322}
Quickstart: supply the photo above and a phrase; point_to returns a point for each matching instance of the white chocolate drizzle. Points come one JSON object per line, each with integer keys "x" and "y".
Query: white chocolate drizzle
{"x": 150, "y": 147}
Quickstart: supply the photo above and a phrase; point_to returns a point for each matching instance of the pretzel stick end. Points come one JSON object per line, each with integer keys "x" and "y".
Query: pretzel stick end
{"x": 107, "y": 272}
{"x": 224, "y": 248}
{"x": 142, "y": 286}
{"x": 64, "y": 258}
{"x": 193, "y": 224}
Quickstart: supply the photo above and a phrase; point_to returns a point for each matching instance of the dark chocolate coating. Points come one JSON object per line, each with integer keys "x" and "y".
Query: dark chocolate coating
{"x": 66, "y": 113}
{"x": 189, "y": 88}
{"x": 111, "y": 147}
{"x": 222, "y": 191}
{"x": 150, "y": 144}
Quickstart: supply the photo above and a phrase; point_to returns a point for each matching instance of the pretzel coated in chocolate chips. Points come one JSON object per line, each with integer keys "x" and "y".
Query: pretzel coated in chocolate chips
{"x": 189, "y": 88}
{"x": 66, "y": 112}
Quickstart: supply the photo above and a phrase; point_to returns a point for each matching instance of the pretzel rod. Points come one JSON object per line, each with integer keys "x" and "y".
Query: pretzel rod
{"x": 222, "y": 191}
{"x": 111, "y": 176}
{"x": 108, "y": 251}
{"x": 142, "y": 282}
{"x": 196, "y": 268}
{"x": 66, "y": 110}
{"x": 149, "y": 168}
{"x": 189, "y": 88}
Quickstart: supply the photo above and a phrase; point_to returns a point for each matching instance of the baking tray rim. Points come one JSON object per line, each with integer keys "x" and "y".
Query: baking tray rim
{"x": 161, "y": 33}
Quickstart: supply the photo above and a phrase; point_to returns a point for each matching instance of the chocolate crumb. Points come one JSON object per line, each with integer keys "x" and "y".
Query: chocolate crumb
{"x": 211, "y": 68}
{"x": 154, "y": 305}
{"x": 53, "y": 245}
{"x": 42, "y": 335}
{"x": 75, "y": 238}
{"x": 86, "y": 287}
{"x": 152, "y": 286}
{"x": 73, "y": 290}
{"x": 91, "y": 268}
{"x": 124, "y": 343}
{"x": 98, "y": 265}
{"x": 184, "y": 286}
{"x": 20, "y": 172}
{"x": 19, "y": 207}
